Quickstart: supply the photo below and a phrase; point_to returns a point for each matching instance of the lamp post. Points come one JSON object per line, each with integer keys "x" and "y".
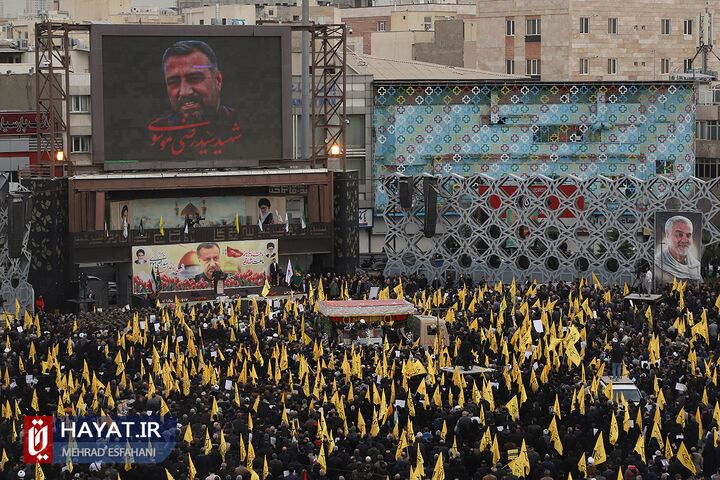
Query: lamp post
{"x": 335, "y": 151}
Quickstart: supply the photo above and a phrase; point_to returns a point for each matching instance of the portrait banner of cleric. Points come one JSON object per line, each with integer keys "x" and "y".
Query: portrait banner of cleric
{"x": 676, "y": 250}
{"x": 198, "y": 123}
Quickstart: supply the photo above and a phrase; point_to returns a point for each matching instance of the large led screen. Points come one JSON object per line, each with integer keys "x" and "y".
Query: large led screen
{"x": 190, "y": 96}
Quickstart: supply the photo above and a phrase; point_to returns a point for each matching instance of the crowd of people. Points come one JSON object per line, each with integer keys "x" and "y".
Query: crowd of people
{"x": 299, "y": 406}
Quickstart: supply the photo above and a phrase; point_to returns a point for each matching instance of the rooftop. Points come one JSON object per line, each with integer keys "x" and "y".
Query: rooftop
{"x": 393, "y": 69}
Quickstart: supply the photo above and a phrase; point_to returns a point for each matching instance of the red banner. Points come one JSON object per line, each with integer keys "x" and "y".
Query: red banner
{"x": 21, "y": 123}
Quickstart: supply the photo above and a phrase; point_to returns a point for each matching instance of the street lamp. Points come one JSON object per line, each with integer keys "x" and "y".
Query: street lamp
{"x": 60, "y": 156}
{"x": 335, "y": 150}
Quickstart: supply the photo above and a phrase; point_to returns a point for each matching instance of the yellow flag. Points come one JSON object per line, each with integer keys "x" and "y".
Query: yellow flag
{"x": 684, "y": 457}
{"x": 439, "y": 470}
{"x": 40, "y": 475}
{"x": 614, "y": 431}
{"x": 640, "y": 446}
{"x": 208, "y": 445}
{"x": 164, "y": 410}
{"x": 321, "y": 458}
{"x": 188, "y": 437}
{"x": 34, "y": 403}
{"x": 162, "y": 232}
{"x": 169, "y": 477}
{"x": 512, "y": 407}
{"x": 582, "y": 465}
{"x": 495, "y": 450}
{"x": 599, "y": 451}
{"x": 191, "y": 466}
{"x": 266, "y": 289}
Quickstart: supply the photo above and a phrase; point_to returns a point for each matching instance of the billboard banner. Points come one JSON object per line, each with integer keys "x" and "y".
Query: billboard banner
{"x": 206, "y": 211}
{"x": 190, "y": 266}
{"x": 190, "y": 96}
{"x": 21, "y": 123}
{"x": 678, "y": 247}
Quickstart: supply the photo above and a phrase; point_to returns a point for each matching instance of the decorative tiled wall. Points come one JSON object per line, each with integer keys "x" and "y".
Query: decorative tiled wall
{"x": 553, "y": 130}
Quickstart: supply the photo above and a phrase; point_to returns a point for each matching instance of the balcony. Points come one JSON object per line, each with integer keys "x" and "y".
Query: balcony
{"x": 94, "y": 247}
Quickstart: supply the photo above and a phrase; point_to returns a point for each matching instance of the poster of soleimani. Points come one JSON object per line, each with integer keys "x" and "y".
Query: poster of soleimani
{"x": 678, "y": 247}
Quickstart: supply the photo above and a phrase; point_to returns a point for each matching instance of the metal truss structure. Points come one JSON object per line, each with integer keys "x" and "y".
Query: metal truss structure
{"x": 13, "y": 271}
{"x": 543, "y": 228}
{"x": 328, "y": 83}
{"x": 52, "y": 95}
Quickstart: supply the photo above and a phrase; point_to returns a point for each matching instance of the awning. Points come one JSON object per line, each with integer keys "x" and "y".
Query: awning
{"x": 361, "y": 308}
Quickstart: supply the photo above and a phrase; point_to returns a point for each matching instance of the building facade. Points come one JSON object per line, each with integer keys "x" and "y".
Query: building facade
{"x": 580, "y": 41}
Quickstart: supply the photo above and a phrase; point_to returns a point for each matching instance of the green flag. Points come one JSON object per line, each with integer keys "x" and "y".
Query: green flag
{"x": 297, "y": 275}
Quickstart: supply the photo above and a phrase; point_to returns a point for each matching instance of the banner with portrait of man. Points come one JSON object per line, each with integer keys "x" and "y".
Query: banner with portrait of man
{"x": 193, "y": 266}
{"x": 678, "y": 247}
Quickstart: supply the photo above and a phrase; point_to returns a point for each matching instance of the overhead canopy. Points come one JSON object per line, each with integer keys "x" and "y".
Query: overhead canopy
{"x": 365, "y": 308}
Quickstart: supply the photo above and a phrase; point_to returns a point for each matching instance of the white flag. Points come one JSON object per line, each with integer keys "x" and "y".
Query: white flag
{"x": 260, "y": 224}
{"x": 186, "y": 226}
{"x": 288, "y": 273}
{"x": 302, "y": 222}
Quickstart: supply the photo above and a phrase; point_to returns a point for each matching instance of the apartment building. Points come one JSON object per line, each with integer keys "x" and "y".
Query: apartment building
{"x": 390, "y": 31}
{"x": 707, "y": 131}
{"x": 220, "y": 15}
{"x": 589, "y": 40}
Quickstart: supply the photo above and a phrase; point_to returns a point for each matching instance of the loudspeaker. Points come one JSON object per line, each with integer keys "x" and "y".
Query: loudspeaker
{"x": 430, "y": 192}
{"x": 17, "y": 213}
{"x": 405, "y": 188}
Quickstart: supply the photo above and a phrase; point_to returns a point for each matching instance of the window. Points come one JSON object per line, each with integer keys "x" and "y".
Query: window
{"x": 381, "y": 26}
{"x": 584, "y": 24}
{"x": 532, "y": 66}
{"x": 687, "y": 64}
{"x": 700, "y": 129}
{"x": 707, "y": 168}
{"x": 510, "y": 28}
{"x": 665, "y": 65}
{"x": 510, "y": 66}
{"x": 79, "y": 103}
{"x": 202, "y": 22}
{"x": 708, "y": 130}
{"x": 296, "y": 18}
{"x": 224, "y": 21}
{"x": 665, "y": 26}
{"x": 427, "y": 24}
{"x": 80, "y": 144}
{"x": 584, "y": 66}
{"x": 532, "y": 26}
{"x": 687, "y": 27}
{"x": 612, "y": 66}
{"x": 612, "y": 26}
{"x": 355, "y": 131}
